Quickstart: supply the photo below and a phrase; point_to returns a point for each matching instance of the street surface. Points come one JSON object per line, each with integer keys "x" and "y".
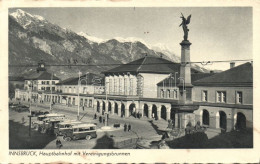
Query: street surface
{"x": 19, "y": 133}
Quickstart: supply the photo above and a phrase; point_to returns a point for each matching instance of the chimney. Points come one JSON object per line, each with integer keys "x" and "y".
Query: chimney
{"x": 232, "y": 65}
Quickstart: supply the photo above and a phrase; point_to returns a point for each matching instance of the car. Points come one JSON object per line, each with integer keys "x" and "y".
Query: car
{"x": 49, "y": 125}
{"x": 39, "y": 112}
{"x": 40, "y": 119}
{"x": 80, "y": 131}
{"x": 22, "y": 108}
{"x": 64, "y": 126}
{"x": 13, "y": 106}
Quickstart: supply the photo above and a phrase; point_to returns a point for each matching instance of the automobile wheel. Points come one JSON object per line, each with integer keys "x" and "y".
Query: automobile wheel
{"x": 67, "y": 139}
{"x": 43, "y": 130}
{"x": 88, "y": 137}
{"x": 74, "y": 137}
{"x": 36, "y": 127}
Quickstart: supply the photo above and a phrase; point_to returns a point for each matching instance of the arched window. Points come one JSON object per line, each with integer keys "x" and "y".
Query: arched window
{"x": 162, "y": 93}
{"x": 205, "y": 117}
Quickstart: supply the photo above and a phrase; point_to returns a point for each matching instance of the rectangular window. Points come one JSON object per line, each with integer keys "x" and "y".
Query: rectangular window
{"x": 131, "y": 86}
{"x": 221, "y": 96}
{"x": 48, "y": 82}
{"x": 47, "y": 88}
{"x": 115, "y": 86}
{"x": 204, "y": 95}
{"x": 43, "y": 82}
{"x": 53, "y": 82}
{"x": 168, "y": 93}
{"x": 125, "y": 85}
{"x": 53, "y": 88}
{"x": 110, "y": 86}
{"x": 239, "y": 97}
{"x": 175, "y": 94}
{"x": 162, "y": 93}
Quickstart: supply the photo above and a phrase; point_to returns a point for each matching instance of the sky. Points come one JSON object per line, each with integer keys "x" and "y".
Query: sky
{"x": 216, "y": 33}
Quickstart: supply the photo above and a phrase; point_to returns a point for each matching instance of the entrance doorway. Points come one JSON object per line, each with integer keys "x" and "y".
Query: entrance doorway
{"x": 145, "y": 110}
{"x": 132, "y": 109}
{"x": 116, "y": 108}
{"x": 222, "y": 120}
{"x": 205, "y": 117}
{"x": 163, "y": 112}
{"x": 98, "y": 107}
{"x": 122, "y": 110}
{"x": 109, "y": 106}
{"x": 154, "y": 112}
{"x": 241, "y": 121}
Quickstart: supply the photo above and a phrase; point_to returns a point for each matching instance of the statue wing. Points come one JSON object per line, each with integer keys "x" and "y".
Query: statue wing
{"x": 188, "y": 19}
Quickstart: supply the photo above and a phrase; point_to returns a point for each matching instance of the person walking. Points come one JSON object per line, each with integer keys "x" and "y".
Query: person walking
{"x": 125, "y": 127}
{"x": 103, "y": 120}
{"x": 83, "y": 108}
{"x": 58, "y": 144}
{"x": 95, "y": 116}
{"x": 129, "y": 127}
{"x": 100, "y": 119}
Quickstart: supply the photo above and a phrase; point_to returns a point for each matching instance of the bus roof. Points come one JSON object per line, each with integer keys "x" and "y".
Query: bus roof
{"x": 70, "y": 122}
{"x": 55, "y": 115}
{"x": 84, "y": 125}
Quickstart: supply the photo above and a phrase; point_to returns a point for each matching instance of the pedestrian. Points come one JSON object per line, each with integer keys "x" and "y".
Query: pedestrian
{"x": 125, "y": 127}
{"x": 129, "y": 127}
{"x": 107, "y": 116}
{"x": 95, "y": 116}
{"x": 83, "y": 108}
{"x": 153, "y": 115}
{"x": 58, "y": 144}
{"x": 100, "y": 119}
{"x": 103, "y": 120}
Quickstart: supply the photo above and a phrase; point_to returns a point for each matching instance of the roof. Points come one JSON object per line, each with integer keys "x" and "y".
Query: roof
{"x": 241, "y": 75}
{"x": 42, "y": 75}
{"x": 91, "y": 79}
{"x": 16, "y": 78}
{"x": 148, "y": 64}
{"x": 170, "y": 82}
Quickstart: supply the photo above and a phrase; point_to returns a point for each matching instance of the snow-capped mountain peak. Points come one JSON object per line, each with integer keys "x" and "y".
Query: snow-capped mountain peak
{"x": 91, "y": 38}
{"x": 25, "y": 19}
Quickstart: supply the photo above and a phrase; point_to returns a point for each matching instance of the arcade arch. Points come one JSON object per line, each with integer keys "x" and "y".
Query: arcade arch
{"x": 163, "y": 112}
{"x": 205, "y": 117}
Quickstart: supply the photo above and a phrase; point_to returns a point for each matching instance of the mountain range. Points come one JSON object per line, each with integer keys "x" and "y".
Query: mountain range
{"x": 33, "y": 38}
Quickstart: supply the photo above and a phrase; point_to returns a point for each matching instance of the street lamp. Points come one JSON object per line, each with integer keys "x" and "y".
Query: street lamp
{"x": 51, "y": 93}
{"x": 79, "y": 83}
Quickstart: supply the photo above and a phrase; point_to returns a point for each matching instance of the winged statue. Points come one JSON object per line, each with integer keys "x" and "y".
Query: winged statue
{"x": 184, "y": 25}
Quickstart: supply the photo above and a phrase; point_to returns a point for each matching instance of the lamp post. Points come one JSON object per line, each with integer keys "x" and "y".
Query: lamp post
{"x": 51, "y": 93}
{"x": 79, "y": 83}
